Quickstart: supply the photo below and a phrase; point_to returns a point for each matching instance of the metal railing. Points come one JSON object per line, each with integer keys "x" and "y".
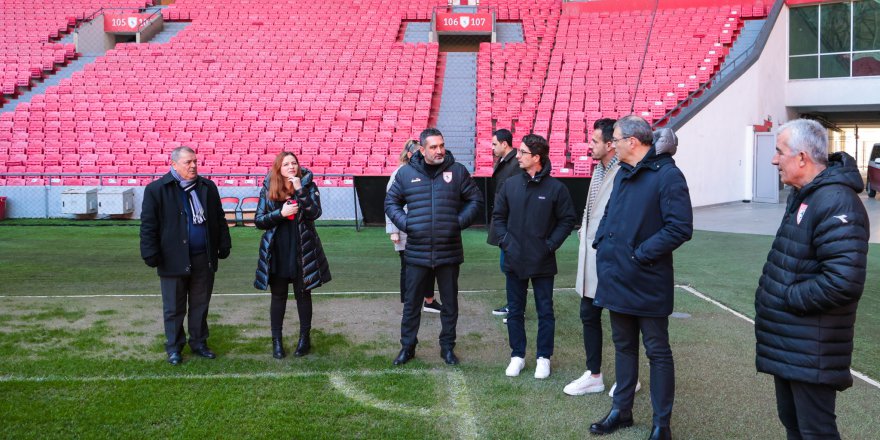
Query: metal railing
{"x": 724, "y": 77}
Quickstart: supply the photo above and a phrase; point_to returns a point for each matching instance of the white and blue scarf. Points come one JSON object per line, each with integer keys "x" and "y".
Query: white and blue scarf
{"x": 198, "y": 213}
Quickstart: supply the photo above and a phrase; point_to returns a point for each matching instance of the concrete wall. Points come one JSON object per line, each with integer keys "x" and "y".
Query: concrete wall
{"x": 832, "y": 92}
{"x": 337, "y": 203}
{"x": 90, "y": 38}
{"x": 716, "y": 146}
{"x": 151, "y": 30}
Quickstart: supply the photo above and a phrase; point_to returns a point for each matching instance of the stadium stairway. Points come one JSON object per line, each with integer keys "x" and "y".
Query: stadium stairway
{"x": 63, "y": 72}
{"x": 417, "y": 32}
{"x": 508, "y": 32}
{"x": 748, "y": 35}
{"x": 458, "y": 106}
{"x": 170, "y": 29}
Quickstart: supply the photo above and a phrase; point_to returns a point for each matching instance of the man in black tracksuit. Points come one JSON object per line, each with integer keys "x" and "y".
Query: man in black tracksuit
{"x": 442, "y": 200}
{"x": 805, "y": 305}
{"x": 533, "y": 216}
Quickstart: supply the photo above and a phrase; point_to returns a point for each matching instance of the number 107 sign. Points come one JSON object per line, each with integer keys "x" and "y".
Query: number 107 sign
{"x": 475, "y": 23}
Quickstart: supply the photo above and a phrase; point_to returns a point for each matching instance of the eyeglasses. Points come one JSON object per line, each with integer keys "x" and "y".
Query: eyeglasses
{"x": 521, "y": 152}
{"x": 615, "y": 140}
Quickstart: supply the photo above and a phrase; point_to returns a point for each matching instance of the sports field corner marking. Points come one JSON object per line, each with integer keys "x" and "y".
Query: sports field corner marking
{"x": 459, "y": 394}
{"x": 341, "y": 384}
{"x": 702, "y": 296}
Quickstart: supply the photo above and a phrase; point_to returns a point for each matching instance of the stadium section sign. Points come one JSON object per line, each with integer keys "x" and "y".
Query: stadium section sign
{"x": 464, "y": 23}
{"x": 124, "y": 23}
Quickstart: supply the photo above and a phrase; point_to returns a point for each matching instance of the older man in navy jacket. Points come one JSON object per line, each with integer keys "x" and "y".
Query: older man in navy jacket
{"x": 648, "y": 216}
{"x": 442, "y": 200}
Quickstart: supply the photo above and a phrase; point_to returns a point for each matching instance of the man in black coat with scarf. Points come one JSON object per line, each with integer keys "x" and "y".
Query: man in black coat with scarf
{"x": 442, "y": 200}
{"x": 648, "y": 216}
{"x": 805, "y": 305}
{"x": 183, "y": 233}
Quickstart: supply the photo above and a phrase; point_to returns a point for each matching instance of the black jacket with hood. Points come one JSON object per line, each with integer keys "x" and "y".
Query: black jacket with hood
{"x": 805, "y": 304}
{"x": 440, "y": 205}
{"x": 533, "y": 216}
{"x": 313, "y": 266}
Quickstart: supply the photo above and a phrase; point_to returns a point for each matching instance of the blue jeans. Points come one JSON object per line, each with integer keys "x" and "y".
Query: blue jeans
{"x": 517, "y": 291}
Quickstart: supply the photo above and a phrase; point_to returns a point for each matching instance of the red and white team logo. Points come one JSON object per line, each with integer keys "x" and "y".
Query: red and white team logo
{"x": 132, "y": 22}
{"x": 801, "y": 211}
{"x": 447, "y": 176}
{"x": 465, "y": 21}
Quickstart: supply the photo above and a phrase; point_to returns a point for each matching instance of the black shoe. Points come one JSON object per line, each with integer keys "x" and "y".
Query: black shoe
{"x": 174, "y": 358}
{"x": 204, "y": 352}
{"x": 615, "y": 420}
{"x": 277, "y": 349}
{"x": 449, "y": 357}
{"x": 501, "y": 311}
{"x": 404, "y": 356}
{"x": 303, "y": 346}
{"x": 432, "y": 307}
{"x": 660, "y": 433}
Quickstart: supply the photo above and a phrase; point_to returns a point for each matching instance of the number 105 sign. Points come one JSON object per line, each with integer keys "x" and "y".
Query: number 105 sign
{"x": 476, "y": 23}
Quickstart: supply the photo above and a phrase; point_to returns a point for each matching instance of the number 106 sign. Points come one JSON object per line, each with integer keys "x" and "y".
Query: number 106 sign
{"x": 480, "y": 22}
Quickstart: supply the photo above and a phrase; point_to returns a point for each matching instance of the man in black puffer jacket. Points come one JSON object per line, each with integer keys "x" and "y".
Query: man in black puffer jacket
{"x": 805, "y": 305}
{"x": 442, "y": 200}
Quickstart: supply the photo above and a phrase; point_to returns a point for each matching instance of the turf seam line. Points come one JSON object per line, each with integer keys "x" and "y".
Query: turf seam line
{"x": 702, "y": 296}
{"x": 156, "y": 295}
{"x": 461, "y": 402}
{"x": 219, "y": 376}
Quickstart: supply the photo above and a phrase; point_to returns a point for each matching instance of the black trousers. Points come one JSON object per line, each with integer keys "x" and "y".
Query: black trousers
{"x": 429, "y": 283}
{"x": 278, "y": 305}
{"x": 176, "y": 292}
{"x": 806, "y": 410}
{"x": 447, "y": 285}
{"x": 591, "y": 318}
{"x": 625, "y": 331}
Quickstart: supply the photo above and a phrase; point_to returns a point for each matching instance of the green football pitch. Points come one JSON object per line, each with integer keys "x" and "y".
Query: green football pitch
{"x": 81, "y": 349}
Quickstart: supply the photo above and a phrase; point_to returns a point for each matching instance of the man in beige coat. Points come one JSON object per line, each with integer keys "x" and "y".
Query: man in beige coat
{"x": 601, "y": 186}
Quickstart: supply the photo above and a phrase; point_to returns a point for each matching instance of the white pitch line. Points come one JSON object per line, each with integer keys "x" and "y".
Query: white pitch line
{"x": 348, "y": 390}
{"x": 461, "y": 402}
{"x": 702, "y": 296}
{"x": 219, "y": 376}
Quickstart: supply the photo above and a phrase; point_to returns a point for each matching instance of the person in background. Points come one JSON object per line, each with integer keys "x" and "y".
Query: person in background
{"x": 399, "y": 238}
{"x": 506, "y": 165}
{"x": 290, "y": 249}
{"x": 183, "y": 233}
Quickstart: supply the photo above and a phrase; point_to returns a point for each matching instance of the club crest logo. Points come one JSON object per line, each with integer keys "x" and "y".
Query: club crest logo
{"x": 132, "y": 22}
{"x": 801, "y": 211}
{"x": 465, "y": 21}
{"x": 447, "y": 176}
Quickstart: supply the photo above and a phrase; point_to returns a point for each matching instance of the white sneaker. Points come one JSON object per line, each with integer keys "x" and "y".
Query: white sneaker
{"x": 516, "y": 365}
{"x": 585, "y": 384}
{"x": 542, "y": 370}
{"x": 614, "y": 387}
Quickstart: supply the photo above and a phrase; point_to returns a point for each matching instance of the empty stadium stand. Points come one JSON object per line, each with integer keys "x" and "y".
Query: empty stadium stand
{"x": 332, "y": 82}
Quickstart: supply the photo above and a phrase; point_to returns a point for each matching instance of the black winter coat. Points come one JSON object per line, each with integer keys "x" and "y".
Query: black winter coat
{"x": 503, "y": 170}
{"x": 533, "y": 216}
{"x": 165, "y": 228}
{"x": 439, "y": 206}
{"x": 313, "y": 266}
{"x": 648, "y": 216}
{"x": 805, "y": 304}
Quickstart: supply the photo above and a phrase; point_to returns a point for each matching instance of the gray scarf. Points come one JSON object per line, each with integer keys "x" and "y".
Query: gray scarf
{"x": 195, "y": 205}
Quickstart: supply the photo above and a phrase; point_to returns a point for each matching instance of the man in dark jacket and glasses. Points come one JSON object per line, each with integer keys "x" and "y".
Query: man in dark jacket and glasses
{"x": 533, "y": 216}
{"x": 648, "y": 216}
{"x": 442, "y": 200}
{"x": 805, "y": 305}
